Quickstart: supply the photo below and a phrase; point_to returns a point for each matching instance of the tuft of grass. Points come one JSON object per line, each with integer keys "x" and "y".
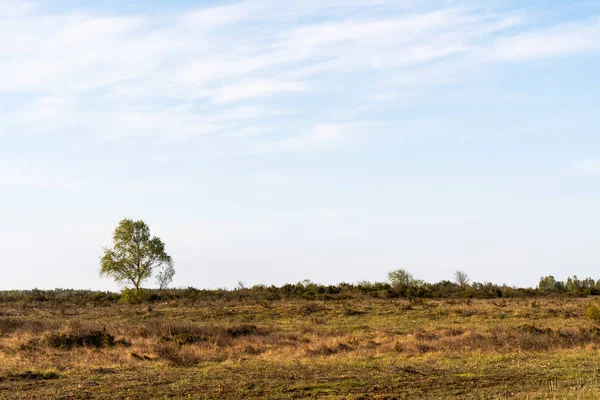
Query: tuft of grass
{"x": 177, "y": 355}
{"x": 181, "y": 339}
{"x": 351, "y": 312}
{"x": 329, "y": 349}
{"x": 242, "y": 330}
{"x": 253, "y": 350}
{"x": 426, "y": 335}
{"x": 534, "y": 329}
{"x": 10, "y": 325}
{"x": 310, "y": 308}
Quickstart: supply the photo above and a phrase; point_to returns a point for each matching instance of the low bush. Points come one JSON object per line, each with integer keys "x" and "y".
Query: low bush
{"x": 592, "y": 311}
{"x": 35, "y": 375}
{"x": 242, "y": 330}
{"x": 181, "y": 339}
{"x": 97, "y": 339}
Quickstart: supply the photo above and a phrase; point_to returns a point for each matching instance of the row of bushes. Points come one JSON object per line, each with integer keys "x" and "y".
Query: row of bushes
{"x": 573, "y": 286}
{"x": 304, "y": 290}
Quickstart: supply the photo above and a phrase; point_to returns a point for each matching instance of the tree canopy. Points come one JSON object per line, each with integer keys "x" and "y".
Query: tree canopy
{"x": 136, "y": 256}
{"x": 461, "y": 278}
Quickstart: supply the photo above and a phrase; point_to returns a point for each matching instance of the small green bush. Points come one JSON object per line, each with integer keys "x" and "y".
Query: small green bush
{"x": 130, "y": 296}
{"x": 592, "y": 311}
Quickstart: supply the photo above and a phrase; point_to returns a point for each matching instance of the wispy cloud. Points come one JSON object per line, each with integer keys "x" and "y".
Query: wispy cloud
{"x": 220, "y": 16}
{"x": 256, "y": 88}
{"x": 19, "y": 175}
{"x": 556, "y": 41}
{"x": 41, "y": 109}
{"x": 318, "y": 138}
{"x": 179, "y": 76}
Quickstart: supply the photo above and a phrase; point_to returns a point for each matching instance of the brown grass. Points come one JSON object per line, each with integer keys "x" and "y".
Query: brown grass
{"x": 297, "y": 349}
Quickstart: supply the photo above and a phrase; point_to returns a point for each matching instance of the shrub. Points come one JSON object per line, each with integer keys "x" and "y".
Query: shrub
{"x": 97, "y": 339}
{"x": 183, "y": 338}
{"x": 534, "y": 329}
{"x": 130, "y": 296}
{"x": 592, "y": 311}
{"x": 241, "y": 330}
{"x": 36, "y": 375}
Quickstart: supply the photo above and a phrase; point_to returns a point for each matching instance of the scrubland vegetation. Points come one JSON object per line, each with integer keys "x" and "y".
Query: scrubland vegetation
{"x": 299, "y": 341}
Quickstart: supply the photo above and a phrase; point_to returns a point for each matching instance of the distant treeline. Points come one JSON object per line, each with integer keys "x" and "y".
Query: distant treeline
{"x": 548, "y": 286}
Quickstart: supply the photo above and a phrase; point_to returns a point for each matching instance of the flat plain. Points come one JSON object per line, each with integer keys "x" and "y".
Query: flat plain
{"x": 290, "y": 349}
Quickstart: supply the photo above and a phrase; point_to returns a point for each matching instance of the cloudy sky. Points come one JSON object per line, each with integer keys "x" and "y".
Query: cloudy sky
{"x": 333, "y": 140}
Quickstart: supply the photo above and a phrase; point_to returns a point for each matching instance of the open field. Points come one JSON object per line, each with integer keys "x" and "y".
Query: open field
{"x": 286, "y": 349}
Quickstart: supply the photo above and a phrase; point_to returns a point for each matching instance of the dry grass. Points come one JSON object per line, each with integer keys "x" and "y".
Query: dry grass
{"x": 297, "y": 349}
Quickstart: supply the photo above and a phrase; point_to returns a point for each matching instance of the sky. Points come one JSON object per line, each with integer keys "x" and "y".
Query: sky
{"x": 270, "y": 142}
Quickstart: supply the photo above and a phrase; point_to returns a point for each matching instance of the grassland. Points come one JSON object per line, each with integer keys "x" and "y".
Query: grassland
{"x": 342, "y": 349}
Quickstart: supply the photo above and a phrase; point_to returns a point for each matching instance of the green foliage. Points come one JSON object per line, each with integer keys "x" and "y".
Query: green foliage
{"x": 547, "y": 283}
{"x": 592, "y": 312}
{"x": 404, "y": 284}
{"x": 130, "y": 296}
{"x": 136, "y": 256}
{"x": 262, "y": 294}
{"x": 400, "y": 278}
{"x": 573, "y": 286}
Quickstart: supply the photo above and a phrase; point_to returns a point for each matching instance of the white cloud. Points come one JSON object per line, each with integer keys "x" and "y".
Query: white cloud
{"x": 181, "y": 75}
{"x": 42, "y": 109}
{"x": 561, "y": 40}
{"x": 180, "y": 123}
{"x": 256, "y": 88}
{"x": 47, "y": 113}
{"x": 318, "y": 138}
{"x": 220, "y": 16}
{"x": 17, "y": 175}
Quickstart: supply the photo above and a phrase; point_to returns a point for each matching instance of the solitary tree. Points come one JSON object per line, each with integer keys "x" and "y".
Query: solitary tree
{"x": 403, "y": 282}
{"x": 136, "y": 256}
{"x": 400, "y": 279}
{"x": 462, "y": 279}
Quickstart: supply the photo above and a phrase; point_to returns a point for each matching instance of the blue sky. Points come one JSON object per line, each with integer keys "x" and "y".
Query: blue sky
{"x": 270, "y": 142}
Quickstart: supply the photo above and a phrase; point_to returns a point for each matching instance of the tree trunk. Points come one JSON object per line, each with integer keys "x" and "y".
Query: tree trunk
{"x": 137, "y": 292}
